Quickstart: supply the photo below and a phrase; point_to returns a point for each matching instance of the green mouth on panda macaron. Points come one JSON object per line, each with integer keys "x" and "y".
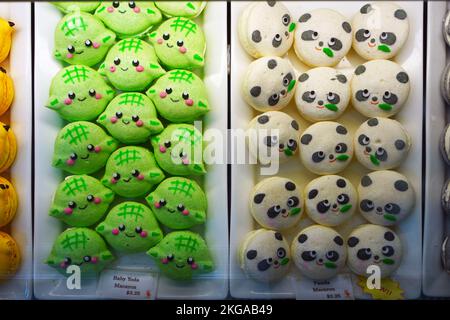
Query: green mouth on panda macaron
{"x": 385, "y": 106}
{"x": 384, "y": 48}
{"x": 295, "y": 211}
{"x": 388, "y": 261}
{"x": 292, "y": 27}
{"x": 374, "y": 160}
{"x": 342, "y": 157}
{"x": 328, "y": 52}
{"x": 332, "y": 107}
{"x": 390, "y": 217}
{"x": 345, "y": 208}
{"x": 291, "y": 86}
{"x": 330, "y": 265}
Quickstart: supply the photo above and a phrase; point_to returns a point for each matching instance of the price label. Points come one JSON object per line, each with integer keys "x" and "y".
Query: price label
{"x": 337, "y": 288}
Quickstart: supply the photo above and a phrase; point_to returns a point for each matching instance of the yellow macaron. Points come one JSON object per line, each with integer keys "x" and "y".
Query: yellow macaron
{"x": 8, "y": 147}
{"x": 6, "y": 31}
{"x": 9, "y": 256}
{"x": 8, "y": 202}
{"x": 6, "y": 91}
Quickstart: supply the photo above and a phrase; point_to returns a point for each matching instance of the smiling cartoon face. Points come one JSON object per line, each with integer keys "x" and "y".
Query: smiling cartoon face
{"x": 187, "y": 9}
{"x": 319, "y": 252}
{"x": 178, "y": 203}
{"x": 180, "y": 96}
{"x": 322, "y": 94}
{"x": 129, "y": 18}
{"x": 131, "y": 118}
{"x": 380, "y": 30}
{"x": 265, "y": 255}
{"x": 82, "y": 247}
{"x": 179, "y": 44}
{"x": 374, "y": 245}
{"x": 131, "y": 65}
{"x": 269, "y": 84}
{"x": 182, "y": 255}
{"x": 385, "y": 197}
{"x": 79, "y": 93}
{"x": 82, "y": 148}
{"x": 179, "y": 150}
{"x": 80, "y": 38}
{"x": 81, "y": 201}
{"x": 132, "y": 172}
{"x": 8, "y": 202}
{"x": 130, "y": 227}
{"x": 69, "y": 6}
{"x": 326, "y": 148}
{"x": 323, "y": 38}
{"x": 330, "y": 200}
{"x": 381, "y": 143}
{"x": 266, "y": 29}
{"x": 273, "y": 145}
{"x": 380, "y": 88}
{"x": 276, "y": 203}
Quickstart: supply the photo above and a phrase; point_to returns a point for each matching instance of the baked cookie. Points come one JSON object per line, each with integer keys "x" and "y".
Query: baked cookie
{"x": 178, "y": 203}
{"x": 330, "y": 200}
{"x": 80, "y": 38}
{"x": 322, "y": 94}
{"x": 265, "y": 256}
{"x": 8, "y": 202}
{"x": 80, "y": 201}
{"x": 129, "y": 18}
{"x": 268, "y": 145}
{"x": 131, "y": 172}
{"x": 9, "y": 256}
{"x": 79, "y": 93}
{"x": 82, "y": 148}
{"x": 6, "y": 31}
{"x": 319, "y": 252}
{"x": 445, "y": 81}
{"x": 445, "y": 197}
{"x": 266, "y": 29}
{"x": 131, "y": 118}
{"x": 380, "y": 88}
{"x": 179, "y": 44}
{"x": 444, "y": 144}
{"x": 130, "y": 227}
{"x": 182, "y": 255}
{"x": 186, "y": 9}
{"x": 131, "y": 65}
{"x": 269, "y": 84}
{"x": 385, "y": 197}
{"x": 276, "y": 203}
{"x": 180, "y": 96}
{"x": 370, "y": 245}
{"x": 8, "y": 147}
{"x": 82, "y": 247}
{"x": 323, "y": 38}
{"x": 326, "y": 148}
{"x": 381, "y": 143}
{"x": 6, "y": 91}
{"x": 179, "y": 150}
{"x": 380, "y": 30}
{"x": 69, "y": 6}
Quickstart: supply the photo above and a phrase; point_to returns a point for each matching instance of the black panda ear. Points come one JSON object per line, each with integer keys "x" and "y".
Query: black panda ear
{"x": 290, "y": 186}
{"x": 365, "y": 8}
{"x": 341, "y": 183}
{"x": 400, "y": 14}
{"x": 341, "y": 78}
{"x": 401, "y": 185}
{"x": 402, "y": 77}
{"x": 263, "y": 119}
{"x": 302, "y": 238}
{"x": 389, "y": 236}
{"x": 313, "y": 193}
{"x": 347, "y": 27}
{"x": 259, "y": 198}
{"x": 352, "y": 241}
{"x": 255, "y": 91}
{"x": 338, "y": 240}
{"x": 251, "y": 254}
{"x": 271, "y": 3}
{"x": 341, "y": 130}
{"x": 272, "y": 64}
{"x": 399, "y": 144}
{"x": 305, "y": 17}
{"x": 360, "y": 70}
{"x": 372, "y": 122}
{"x": 303, "y": 77}
{"x": 294, "y": 125}
{"x": 306, "y": 139}
{"x": 366, "y": 181}
{"x": 278, "y": 236}
{"x": 256, "y": 36}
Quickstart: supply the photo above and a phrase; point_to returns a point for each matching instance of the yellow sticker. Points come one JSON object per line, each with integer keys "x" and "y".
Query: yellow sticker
{"x": 389, "y": 289}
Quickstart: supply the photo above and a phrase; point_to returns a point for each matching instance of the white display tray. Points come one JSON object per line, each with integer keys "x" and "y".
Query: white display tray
{"x": 244, "y": 177}
{"x": 48, "y": 283}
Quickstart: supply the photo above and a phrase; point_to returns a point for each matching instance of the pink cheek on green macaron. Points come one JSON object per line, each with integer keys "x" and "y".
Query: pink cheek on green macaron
{"x": 185, "y": 161}
{"x": 139, "y": 68}
{"x": 63, "y": 265}
{"x": 113, "y": 181}
{"x": 115, "y": 232}
{"x": 185, "y": 212}
{"x": 70, "y": 162}
{"x": 98, "y": 149}
{"x": 182, "y": 50}
{"x": 68, "y": 101}
{"x": 140, "y": 177}
{"x": 189, "y": 102}
{"x": 97, "y": 200}
{"x": 98, "y": 96}
{"x": 139, "y": 123}
{"x": 110, "y": 9}
{"x": 194, "y": 266}
{"x": 157, "y": 205}
{"x": 137, "y": 9}
{"x": 96, "y": 45}
{"x": 113, "y": 120}
{"x": 162, "y": 149}
{"x": 144, "y": 234}
{"x": 69, "y": 56}
{"x": 164, "y": 261}
{"x": 162, "y": 94}
{"x": 159, "y": 41}
{"x": 94, "y": 259}
{"x": 112, "y": 69}
{"x": 68, "y": 211}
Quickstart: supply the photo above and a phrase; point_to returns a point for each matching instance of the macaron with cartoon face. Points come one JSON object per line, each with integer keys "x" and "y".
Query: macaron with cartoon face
{"x": 8, "y": 202}
{"x": 70, "y": 6}
{"x": 187, "y": 9}
{"x": 8, "y": 147}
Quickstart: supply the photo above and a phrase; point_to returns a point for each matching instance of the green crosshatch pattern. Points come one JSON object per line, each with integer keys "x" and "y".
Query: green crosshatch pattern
{"x": 70, "y": 27}
{"x": 184, "y": 25}
{"x": 126, "y": 156}
{"x": 187, "y": 135}
{"x": 182, "y": 187}
{"x": 186, "y": 243}
{"x": 181, "y": 76}
{"x": 130, "y": 45}
{"x": 75, "y": 74}
{"x": 76, "y": 134}
{"x": 131, "y": 99}
{"x": 75, "y": 185}
{"x": 129, "y": 210}
{"x": 75, "y": 241}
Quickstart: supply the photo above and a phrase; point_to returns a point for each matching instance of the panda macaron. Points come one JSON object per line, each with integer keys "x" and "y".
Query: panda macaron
{"x": 326, "y": 147}
{"x": 385, "y": 197}
{"x": 380, "y": 30}
{"x": 330, "y": 200}
{"x": 323, "y": 37}
{"x": 381, "y": 143}
{"x": 372, "y": 245}
{"x": 276, "y": 203}
{"x": 266, "y": 28}
{"x": 322, "y": 94}
{"x": 269, "y": 84}
{"x": 265, "y": 255}
{"x": 319, "y": 252}
{"x": 380, "y": 88}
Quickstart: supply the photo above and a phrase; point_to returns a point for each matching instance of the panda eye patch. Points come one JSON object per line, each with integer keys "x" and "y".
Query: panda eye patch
{"x": 392, "y": 208}
{"x": 343, "y": 198}
{"x": 362, "y": 95}
{"x": 274, "y": 211}
{"x": 333, "y": 98}
{"x": 381, "y": 154}
{"x": 323, "y": 206}
{"x": 363, "y": 140}
{"x": 390, "y": 98}
{"x": 388, "y": 251}
{"x": 271, "y": 141}
{"x": 310, "y": 35}
{"x": 309, "y": 96}
{"x": 276, "y": 42}
{"x": 287, "y": 79}
{"x": 273, "y": 99}
{"x": 341, "y": 148}
{"x": 318, "y": 156}
{"x": 309, "y": 255}
{"x": 388, "y": 38}
{"x": 332, "y": 255}
{"x": 281, "y": 253}
{"x": 293, "y": 202}
{"x": 362, "y": 35}
{"x": 335, "y": 44}
{"x": 364, "y": 254}
{"x": 366, "y": 205}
